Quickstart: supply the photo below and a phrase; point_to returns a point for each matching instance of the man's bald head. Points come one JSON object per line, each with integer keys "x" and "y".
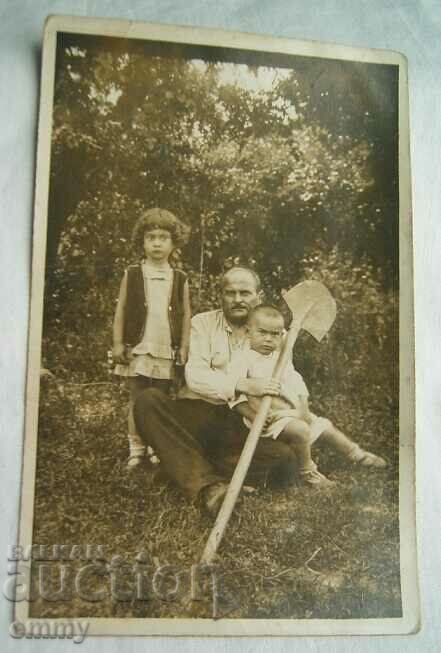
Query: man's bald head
{"x": 239, "y": 271}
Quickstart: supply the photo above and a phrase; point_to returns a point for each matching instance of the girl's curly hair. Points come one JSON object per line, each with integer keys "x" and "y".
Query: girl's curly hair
{"x": 159, "y": 219}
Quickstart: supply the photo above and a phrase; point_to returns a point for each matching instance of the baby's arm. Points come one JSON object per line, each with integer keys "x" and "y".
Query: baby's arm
{"x": 118, "y": 324}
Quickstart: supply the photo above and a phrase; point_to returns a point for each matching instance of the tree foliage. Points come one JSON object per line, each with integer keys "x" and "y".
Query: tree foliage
{"x": 266, "y": 175}
{"x": 297, "y": 177}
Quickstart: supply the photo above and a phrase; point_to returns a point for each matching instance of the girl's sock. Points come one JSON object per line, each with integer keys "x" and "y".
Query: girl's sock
{"x": 136, "y": 449}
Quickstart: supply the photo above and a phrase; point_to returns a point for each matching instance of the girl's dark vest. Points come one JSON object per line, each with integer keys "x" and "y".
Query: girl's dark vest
{"x": 137, "y": 306}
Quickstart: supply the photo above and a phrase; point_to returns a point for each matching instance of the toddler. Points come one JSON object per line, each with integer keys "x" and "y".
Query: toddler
{"x": 290, "y": 418}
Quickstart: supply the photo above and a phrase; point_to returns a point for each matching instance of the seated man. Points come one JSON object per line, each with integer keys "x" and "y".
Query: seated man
{"x": 194, "y": 437}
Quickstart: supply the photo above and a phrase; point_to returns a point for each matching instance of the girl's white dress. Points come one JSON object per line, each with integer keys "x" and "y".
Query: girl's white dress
{"x": 153, "y": 355}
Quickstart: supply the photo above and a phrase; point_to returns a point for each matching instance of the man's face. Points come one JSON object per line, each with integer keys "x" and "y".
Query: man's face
{"x": 239, "y": 296}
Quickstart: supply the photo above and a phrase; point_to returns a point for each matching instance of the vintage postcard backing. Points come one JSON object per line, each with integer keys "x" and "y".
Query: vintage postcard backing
{"x": 290, "y": 157}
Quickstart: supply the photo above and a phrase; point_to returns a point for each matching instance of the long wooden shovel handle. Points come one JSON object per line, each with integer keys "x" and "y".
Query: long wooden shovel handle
{"x": 246, "y": 456}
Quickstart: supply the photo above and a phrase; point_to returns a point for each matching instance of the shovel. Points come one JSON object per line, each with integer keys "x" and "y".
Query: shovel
{"x": 314, "y": 310}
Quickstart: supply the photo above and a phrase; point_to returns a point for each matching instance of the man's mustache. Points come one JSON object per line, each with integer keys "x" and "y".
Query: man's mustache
{"x": 238, "y": 306}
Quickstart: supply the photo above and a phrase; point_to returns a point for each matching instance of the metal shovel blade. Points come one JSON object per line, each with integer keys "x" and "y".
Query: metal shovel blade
{"x": 313, "y": 306}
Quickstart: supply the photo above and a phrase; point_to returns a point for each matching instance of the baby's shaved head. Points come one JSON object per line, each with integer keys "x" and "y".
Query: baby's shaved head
{"x": 265, "y": 329}
{"x": 266, "y": 310}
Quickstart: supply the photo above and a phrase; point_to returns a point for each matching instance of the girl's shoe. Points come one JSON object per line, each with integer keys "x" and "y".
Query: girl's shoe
{"x": 136, "y": 451}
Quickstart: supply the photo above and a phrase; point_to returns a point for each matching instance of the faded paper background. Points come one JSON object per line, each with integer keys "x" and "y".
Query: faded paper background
{"x": 412, "y": 28}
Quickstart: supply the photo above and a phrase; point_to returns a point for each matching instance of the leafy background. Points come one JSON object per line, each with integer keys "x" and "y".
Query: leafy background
{"x": 286, "y": 164}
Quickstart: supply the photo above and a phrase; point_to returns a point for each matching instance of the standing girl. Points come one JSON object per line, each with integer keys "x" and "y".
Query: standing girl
{"x": 151, "y": 329}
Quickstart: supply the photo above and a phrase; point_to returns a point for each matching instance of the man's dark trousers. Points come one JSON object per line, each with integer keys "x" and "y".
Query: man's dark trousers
{"x": 199, "y": 443}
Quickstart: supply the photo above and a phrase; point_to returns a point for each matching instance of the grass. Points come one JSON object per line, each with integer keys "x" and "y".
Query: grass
{"x": 289, "y": 552}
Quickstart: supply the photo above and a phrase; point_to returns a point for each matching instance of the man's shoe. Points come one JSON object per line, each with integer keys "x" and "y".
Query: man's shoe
{"x": 212, "y": 497}
{"x": 314, "y": 479}
{"x": 359, "y": 456}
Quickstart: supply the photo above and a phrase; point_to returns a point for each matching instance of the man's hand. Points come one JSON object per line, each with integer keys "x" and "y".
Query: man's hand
{"x": 119, "y": 354}
{"x": 258, "y": 387}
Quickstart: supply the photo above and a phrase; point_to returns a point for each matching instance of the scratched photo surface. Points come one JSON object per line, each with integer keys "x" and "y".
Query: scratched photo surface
{"x": 283, "y": 163}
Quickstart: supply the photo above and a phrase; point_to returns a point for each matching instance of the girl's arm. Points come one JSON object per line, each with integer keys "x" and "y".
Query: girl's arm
{"x": 186, "y": 326}
{"x": 118, "y": 324}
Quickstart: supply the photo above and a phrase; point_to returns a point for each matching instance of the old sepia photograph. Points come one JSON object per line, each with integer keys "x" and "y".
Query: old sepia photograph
{"x": 219, "y": 434}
